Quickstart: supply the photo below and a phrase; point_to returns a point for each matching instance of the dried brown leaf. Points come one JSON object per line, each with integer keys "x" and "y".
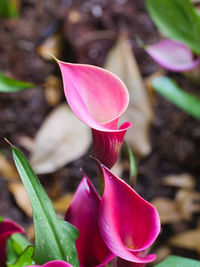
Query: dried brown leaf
{"x": 21, "y": 197}
{"x": 7, "y": 169}
{"x": 61, "y": 139}
{"x": 188, "y": 202}
{"x": 188, "y": 240}
{"x": 27, "y": 142}
{"x": 184, "y": 180}
{"x": 61, "y": 204}
{"x": 161, "y": 253}
{"x": 30, "y": 232}
{"x": 122, "y": 62}
{"x": 51, "y": 45}
{"x": 167, "y": 210}
{"x": 53, "y": 90}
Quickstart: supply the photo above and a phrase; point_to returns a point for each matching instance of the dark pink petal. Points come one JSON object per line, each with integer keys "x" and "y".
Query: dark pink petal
{"x": 98, "y": 98}
{"x": 173, "y": 56}
{"x": 54, "y": 264}
{"x": 7, "y": 228}
{"x": 105, "y": 142}
{"x": 83, "y": 214}
{"x": 128, "y": 223}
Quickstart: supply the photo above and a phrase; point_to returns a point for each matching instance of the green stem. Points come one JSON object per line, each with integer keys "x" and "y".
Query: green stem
{"x": 101, "y": 182}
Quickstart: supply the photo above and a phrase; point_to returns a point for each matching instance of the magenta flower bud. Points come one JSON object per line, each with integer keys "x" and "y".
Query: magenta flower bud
{"x": 98, "y": 98}
{"x": 83, "y": 214}
{"x": 127, "y": 222}
{"x": 7, "y": 228}
{"x": 173, "y": 56}
{"x": 53, "y": 264}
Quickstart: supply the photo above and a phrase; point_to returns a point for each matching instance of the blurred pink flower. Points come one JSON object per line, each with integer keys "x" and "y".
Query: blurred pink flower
{"x": 98, "y": 98}
{"x": 53, "y": 264}
{"x": 173, "y": 56}
{"x": 7, "y": 228}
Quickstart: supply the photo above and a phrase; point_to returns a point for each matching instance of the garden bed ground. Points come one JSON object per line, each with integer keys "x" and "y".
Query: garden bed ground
{"x": 175, "y": 136}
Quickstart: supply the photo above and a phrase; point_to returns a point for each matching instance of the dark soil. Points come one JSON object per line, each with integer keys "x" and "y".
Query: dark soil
{"x": 175, "y": 135}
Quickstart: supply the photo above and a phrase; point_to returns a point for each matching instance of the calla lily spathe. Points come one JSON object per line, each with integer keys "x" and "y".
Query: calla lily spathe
{"x": 53, "y": 264}
{"x": 173, "y": 55}
{"x": 128, "y": 223}
{"x": 98, "y": 98}
{"x": 83, "y": 214}
{"x": 121, "y": 220}
{"x": 7, "y": 228}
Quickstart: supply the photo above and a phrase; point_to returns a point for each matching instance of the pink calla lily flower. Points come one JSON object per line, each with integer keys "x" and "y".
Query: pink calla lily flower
{"x": 83, "y": 214}
{"x": 173, "y": 56}
{"x": 56, "y": 263}
{"x": 128, "y": 223}
{"x": 98, "y": 98}
{"x": 7, "y": 228}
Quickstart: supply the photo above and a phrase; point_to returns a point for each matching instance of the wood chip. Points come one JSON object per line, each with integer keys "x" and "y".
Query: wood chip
{"x": 61, "y": 204}
{"x": 61, "y": 139}
{"x": 184, "y": 180}
{"x": 7, "y": 170}
{"x": 53, "y": 90}
{"x": 167, "y": 210}
{"x": 21, "y": 197}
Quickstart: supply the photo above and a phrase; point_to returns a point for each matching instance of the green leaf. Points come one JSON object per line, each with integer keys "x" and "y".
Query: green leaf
{"x": 24, "y": 259}
{"x": 133, "y": 172}
{"x": 176, "y": 261}
{"x": 177, "y": 19}
{"x": 8, "y": 9}
{"x": 1, "y": 219}
{"x": 170, "y": 90}
{"x": 16, "y": 244}
{"x": 54, "y": 238}
{"x": 8, "y": 85}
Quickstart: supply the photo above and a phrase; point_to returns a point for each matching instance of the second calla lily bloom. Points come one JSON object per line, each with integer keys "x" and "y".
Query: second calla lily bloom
{"x": 83, "y": 214}
{"x": 128, "y": 223}
{"x": 54, "y": 264}
{"x": 173, "y": 55}
{"x": 98, "y": 98}
{"x": 120, "y": 223}
{"x": 7, "y": 228}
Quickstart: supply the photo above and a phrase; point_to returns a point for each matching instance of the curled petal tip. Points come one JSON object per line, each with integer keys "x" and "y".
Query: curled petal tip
{"x": 128, "y": 223}
{"x": 173, "y": 56}
{"x": 55, "y": 263}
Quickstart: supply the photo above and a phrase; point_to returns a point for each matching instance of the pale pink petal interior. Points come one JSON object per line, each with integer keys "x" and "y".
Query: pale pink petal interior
{"x": 172, "y": 55}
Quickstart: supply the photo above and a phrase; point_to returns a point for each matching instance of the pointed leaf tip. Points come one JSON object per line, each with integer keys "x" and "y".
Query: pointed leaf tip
{"x": 51, "y": 233}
